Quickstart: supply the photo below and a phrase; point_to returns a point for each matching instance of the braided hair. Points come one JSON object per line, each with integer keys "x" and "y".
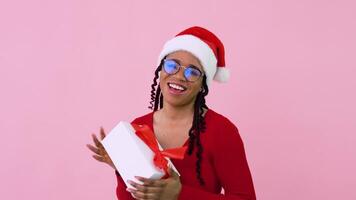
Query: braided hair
{"x": 198, "y": 125}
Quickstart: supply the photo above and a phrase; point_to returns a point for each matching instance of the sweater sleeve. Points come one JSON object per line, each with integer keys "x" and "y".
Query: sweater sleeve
{"x": 231, "y": 166}
{"x": 121, "y": 192}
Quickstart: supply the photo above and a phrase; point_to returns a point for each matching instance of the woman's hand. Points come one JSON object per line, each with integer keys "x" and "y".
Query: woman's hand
{"x": 162, "y": 189}
{"x": 100, "y": 154}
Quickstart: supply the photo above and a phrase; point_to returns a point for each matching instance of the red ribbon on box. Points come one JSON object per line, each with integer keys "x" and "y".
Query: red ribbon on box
{"x": 146, "y": 135}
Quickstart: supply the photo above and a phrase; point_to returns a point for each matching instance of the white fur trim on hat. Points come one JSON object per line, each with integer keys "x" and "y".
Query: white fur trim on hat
{"x": 222, "y": 74}
{"x": 195, "y": 46}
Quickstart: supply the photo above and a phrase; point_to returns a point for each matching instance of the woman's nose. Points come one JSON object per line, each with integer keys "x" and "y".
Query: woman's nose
{"x": 180, "y": 74}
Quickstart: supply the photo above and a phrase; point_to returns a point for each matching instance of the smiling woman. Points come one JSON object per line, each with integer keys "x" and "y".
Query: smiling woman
{"x": 216, "y": 158}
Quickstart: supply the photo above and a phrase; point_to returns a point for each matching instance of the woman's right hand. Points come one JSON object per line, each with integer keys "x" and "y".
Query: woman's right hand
{"x": 100, "y": 153}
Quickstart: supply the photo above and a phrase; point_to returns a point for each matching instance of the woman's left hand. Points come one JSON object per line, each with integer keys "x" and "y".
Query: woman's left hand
{"x": 162, "y": 189}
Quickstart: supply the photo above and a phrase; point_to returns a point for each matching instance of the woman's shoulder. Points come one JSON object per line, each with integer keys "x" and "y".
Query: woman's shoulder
{"x": 222, "y": 130}
{"x": 213, "y": 117}
{"x": 145, "y": 118}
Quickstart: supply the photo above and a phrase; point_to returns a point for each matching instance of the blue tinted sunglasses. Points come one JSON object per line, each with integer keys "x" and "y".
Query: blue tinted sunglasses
{"x": 191, "y": 72}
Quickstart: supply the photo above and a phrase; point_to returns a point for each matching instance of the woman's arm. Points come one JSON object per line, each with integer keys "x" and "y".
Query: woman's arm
{"x": 121, "y": 192}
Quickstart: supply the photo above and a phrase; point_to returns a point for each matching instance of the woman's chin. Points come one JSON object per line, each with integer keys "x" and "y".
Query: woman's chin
{"x": 174, "y": 101}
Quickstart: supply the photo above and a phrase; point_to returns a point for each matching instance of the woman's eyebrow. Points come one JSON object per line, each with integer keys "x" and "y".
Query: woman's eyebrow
{"x": 180, "y": 63}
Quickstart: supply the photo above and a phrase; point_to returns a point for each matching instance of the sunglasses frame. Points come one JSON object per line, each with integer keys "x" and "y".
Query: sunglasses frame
{"x": 181, "y": 66}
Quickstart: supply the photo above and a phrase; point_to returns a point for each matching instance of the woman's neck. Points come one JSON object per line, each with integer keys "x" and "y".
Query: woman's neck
{"x": 177, "y": 113}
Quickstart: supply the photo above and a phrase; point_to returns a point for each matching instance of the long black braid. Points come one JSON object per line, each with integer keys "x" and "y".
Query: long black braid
{"x": 198, "y": 125}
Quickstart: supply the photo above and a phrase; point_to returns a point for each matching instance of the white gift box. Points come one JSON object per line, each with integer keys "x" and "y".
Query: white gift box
{"x": 130, "y": 155}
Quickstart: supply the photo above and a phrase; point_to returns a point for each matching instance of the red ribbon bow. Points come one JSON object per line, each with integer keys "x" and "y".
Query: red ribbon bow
{"x": 146, "y": 135}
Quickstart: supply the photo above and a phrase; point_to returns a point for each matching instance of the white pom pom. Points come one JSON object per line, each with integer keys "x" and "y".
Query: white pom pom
{"x": 222, "y": 74}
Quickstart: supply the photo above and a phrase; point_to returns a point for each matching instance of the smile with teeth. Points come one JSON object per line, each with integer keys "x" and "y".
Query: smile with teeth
{"x": 177, "y": 87}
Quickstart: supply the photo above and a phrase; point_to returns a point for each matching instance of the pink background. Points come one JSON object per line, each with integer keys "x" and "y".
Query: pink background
{"x": 70, "y": 66}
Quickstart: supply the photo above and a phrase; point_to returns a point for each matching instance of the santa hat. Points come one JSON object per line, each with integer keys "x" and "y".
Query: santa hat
{"x": 204, "y": 45}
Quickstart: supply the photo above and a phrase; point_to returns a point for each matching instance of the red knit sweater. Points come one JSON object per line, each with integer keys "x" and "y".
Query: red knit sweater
{"x": 224, "y": 164}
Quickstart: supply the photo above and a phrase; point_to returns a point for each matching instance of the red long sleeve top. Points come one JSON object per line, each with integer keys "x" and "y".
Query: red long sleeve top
{"x": 224, "y": 164}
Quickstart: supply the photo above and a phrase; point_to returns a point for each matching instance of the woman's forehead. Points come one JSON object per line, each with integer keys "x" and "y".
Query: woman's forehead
{"x": 186, "y": 58}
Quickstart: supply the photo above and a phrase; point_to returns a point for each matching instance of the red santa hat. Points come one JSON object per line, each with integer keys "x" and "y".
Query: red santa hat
{"x": 204, "y": 45}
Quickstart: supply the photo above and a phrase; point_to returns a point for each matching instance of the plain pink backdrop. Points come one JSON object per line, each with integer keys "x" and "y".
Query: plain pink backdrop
{"x": 67, "y": 67}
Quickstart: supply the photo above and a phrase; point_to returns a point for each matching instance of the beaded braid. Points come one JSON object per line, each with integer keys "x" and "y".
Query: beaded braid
{"x": 198, "y": 125}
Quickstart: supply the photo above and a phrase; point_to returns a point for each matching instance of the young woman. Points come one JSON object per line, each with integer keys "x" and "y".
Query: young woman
{"x": 215, "y": 158}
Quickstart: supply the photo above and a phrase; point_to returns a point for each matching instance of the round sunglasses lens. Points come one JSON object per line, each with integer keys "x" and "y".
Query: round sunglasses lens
{"x": 170, "y": 66}
{"x": 192, "y": 74}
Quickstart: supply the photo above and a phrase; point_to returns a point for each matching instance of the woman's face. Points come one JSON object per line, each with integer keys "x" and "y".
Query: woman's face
{"x": 167, "y": 81}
